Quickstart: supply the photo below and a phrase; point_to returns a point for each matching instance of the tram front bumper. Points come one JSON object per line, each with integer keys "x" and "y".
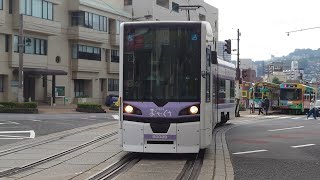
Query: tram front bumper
{"x": 180, "y": 138}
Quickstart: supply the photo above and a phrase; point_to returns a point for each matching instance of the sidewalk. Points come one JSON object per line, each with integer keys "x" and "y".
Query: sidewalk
{"x": 256, "y": 112}
{"x": 64, "y": 109}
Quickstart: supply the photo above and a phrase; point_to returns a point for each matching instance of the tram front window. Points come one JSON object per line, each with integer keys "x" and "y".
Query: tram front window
{"x": 290, "y": 94}
{"x": 162, "y": 64}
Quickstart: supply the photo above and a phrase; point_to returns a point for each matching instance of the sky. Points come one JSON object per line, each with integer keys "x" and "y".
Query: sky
{"x": 263, "y": 25}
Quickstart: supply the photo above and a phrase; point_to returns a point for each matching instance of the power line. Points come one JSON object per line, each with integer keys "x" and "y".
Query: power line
{"x": 288, "y": 33}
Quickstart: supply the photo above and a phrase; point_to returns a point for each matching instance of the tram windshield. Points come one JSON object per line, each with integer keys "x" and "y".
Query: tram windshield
{"x": 162, "y": 63}
{"x": 290, "y": 94}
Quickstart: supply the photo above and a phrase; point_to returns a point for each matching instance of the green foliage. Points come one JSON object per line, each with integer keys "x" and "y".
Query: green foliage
{"x": 276, "y": 80}
{"x": 19, "y": 110}
{"x": 83, "y": 96}
{"x": 89, "y": 106}
{"x": 13, "y": 105}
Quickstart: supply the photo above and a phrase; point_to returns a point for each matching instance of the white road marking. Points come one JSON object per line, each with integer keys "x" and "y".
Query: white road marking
{"x": 285, "y": 117}
{"x": 272, "y": 116}
{"x": 115, "y": 116}
{"x": 305, "y": 145}
{"x": 286, "y": 128}
{"x": 13, "y": 122}
{"x": 296, "y": 118}
{"x": 247, "y": 152}
{"x": 35, "y": 120}
{"x": 84, "y": 118}
{"x": 93, "y": 116}
{"x": 31, "y": 136}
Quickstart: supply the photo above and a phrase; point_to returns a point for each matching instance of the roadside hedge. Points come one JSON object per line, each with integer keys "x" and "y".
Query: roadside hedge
{"x": 90, "y": 108}
{"x": 14, "y": 107}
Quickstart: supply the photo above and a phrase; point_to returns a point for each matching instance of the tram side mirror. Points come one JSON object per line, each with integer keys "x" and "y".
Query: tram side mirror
{"x": 214, "y": 57}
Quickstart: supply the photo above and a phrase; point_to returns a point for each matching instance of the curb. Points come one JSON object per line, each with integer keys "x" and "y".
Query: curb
{"x": 223, "y": 169}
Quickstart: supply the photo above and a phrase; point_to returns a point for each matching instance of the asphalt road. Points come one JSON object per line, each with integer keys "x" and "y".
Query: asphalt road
{"x": 288, "y": 147}
{"x": 19, "y": 127}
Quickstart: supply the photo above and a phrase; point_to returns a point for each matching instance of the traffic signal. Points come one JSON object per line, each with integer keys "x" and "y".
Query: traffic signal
{"x": 228, "y": 46}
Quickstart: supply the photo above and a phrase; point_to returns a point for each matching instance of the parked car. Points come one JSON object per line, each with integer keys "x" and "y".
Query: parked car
{"x": 317, "y": 105}
{"x": 111, "y": 98}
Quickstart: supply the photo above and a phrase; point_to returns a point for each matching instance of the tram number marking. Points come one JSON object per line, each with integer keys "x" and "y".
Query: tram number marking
{"x": 160, "y": 113}
{"x": 159, "y": 137}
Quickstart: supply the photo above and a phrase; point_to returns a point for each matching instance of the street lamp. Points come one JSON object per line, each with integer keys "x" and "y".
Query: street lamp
{"x": 148, "y": 16}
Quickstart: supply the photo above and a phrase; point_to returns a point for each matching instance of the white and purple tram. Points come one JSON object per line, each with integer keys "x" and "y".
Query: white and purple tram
{"x": 173, "y": 89}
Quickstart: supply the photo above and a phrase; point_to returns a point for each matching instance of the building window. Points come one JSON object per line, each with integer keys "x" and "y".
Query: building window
{"x": 1, "y": 4}
{"x": 7, "y": 44}
{"x": 60, "y": 91}
{"x": 113, "y": 85}
{"x": 78, "y": 87}
{"x": 163, "y": 3}
{"x": 37, "y": 8}
{"x": 175, "y": 7}
{"x": 1, "y": 83}
{"x": 32, "y": 45}
{"x": 127, "y": 2}
{"x": 115, "y": 56}
{"x": 89, "y": 20}
{"x": 86, "y": 52}
{"x": 10, "y": 6}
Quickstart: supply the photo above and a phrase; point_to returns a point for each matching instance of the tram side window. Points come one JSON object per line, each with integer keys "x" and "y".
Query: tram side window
{"x": 222, "y": 91}
{"x": 232, "y": 93}
{"x": 208, "y": 75}
{"x": 214, "y": 88}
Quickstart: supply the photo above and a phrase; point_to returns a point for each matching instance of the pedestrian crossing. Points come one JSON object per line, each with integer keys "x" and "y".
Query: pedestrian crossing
{"x": 250, "y": 119}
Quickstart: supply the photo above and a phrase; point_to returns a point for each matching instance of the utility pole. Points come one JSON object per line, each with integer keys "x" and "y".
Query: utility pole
{"x": 238, "y": 77}
{"x": 21, "y": 47}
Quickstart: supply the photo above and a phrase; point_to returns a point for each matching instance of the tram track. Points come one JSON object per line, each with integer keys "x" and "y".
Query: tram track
{"x": 49, "y": 140}
{"x": 192, "y": 167}
{"x": 114, "y": 170}
{"x": 21, "y": 169}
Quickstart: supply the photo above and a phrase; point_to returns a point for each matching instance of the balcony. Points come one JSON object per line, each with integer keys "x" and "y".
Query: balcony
{"x": 84, "y": 65}
{"x": 2, "y": 17}
{"x": 113, "y": 68}
{"x": 29, "y": 61}
{"x": 38, "y": 25}
{"x": 86, "y": 34}
{"x": 115, "y": 39}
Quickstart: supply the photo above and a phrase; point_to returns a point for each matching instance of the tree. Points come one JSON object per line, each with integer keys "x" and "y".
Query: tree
{"x": 276, "y": 80}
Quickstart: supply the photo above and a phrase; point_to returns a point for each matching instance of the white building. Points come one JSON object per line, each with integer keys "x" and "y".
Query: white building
{"x": 247, "y": 64}
{"x": 294, "y": 73}
{"x": 222, "y": 53}
{"x": 294, "y": 65}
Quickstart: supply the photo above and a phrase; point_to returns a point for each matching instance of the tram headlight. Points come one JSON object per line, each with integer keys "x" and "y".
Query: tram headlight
{"x": 128, "y": 109}
{"x": 193, "y": 109}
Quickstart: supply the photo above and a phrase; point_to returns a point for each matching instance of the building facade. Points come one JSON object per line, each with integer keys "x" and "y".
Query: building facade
{"x": 73, "y": 45}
